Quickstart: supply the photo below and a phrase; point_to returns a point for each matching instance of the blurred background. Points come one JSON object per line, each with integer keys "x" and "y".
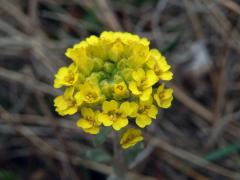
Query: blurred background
{"x": 197, "y": 138}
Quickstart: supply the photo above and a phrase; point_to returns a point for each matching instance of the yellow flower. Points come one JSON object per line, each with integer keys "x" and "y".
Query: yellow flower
{"x": 66, "y": 104}
{"x": 89, "y": 92}
{"x": 66, "y": 76}
{"x": 163, "y": 97}
{"x": 158, "y": 63}
{"x": 145, "y": 113}
{"x": 113, "y": 78}
{"x": 120, "y": 90}
{"x": 81, "y": 59}
{"x": 142, "y": 84}
{"x": 106, "y": 88}
{"x": 113, "y": 115}
{"x": 139, "y": 56}
{"x": 127, "y": 74}
{"x": 116, "y": 51}
{"x": 89, "y": 122}
{"x": 130, "y": 137}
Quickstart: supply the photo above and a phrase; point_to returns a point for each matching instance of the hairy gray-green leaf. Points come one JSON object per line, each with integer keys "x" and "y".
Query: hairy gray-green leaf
{"x": 98, "y": 155}
{"x": 7, "y": 175}
{"x": 131, "y": 153}
{"x": 101, "y": 136}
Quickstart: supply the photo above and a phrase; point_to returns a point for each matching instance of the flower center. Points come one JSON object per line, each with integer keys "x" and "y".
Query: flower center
{"x": 71, "y": 102}
{"x": 113, "y": 117}
{"x": 119, "y": 87}
{"x": 69, "y": 78}
{"x": 130, "y": 138}
{"x": 91, "y": 97}
{"x": 142, "y": 84}
{"x": 90, "y": 120}
{"x": 157, "y": 70}
{"x": 141, "y": 109}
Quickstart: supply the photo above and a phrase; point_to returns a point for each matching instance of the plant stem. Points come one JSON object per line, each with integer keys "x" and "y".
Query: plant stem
{"x": 119, "y": 167}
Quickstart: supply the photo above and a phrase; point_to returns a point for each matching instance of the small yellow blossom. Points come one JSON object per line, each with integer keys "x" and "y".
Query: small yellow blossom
{"x": 116, "y": 51}
{"x": 89, "y": 93}
{"x": 120, "y": 90}
{"x": 114, "y": 115}
{"x": 89, "y": 121}
{"x": 145, "y": 113}
{"x": 81, "y": 59}
{"x": 163, "y": 97}
{"x": 158, "y": 63}
{"x": 66, "y": 76}
{"x": 142, "y": 84}
{"x": 130, "y": 137}
{"x": 66, "y": 104}
{"x": 139, "y": 56}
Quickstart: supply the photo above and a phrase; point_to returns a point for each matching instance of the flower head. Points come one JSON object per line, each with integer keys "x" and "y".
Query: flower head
{"x": 163, "y": 97}
{"x": 142, "y": 83}
{"x": 89, "y": 93}
{"x": 120, "y": 90}
{"x": 114, "y": 115}
{"x": 111, "y": 82}
{"x": 89, "y": 122}
{"x": 145, "y": 113}
{"x": 66, "y": 104}
{"x": 130, "y": 137}
{"x": 159, "y": 65}
{"x": 66, "y": 76}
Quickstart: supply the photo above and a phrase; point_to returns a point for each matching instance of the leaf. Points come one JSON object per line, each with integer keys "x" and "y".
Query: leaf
{"x": 7, "y": 175}
{"x": 101, "y": 136}
{"x": 98, "y": 155}
{"x": 223, "y": 152}
{"x": 131, "y": 153}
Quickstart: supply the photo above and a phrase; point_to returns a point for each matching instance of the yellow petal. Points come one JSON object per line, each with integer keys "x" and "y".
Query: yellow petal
{"x": 130, "y": 137}
{"x": 160, "y": 88}
{"x": 87, "y": 112}
{"x": 157, "y": 99}
{"x": 167, "y": 93}
{"x": 83, "y": 123}
{"x": 125, "y": 108}
{"x": 167, "y": 103}
{"x": 133, "y": 109}
{"x": 152, "y": 111}
{"x": 120, "y": 88}
{"x": 69, "y": 92}
{"x": 79, "y": 98}
{"x": 166, "y": 76}
{"x": 151, "y": 78}
{"x": 146, "y": 94}
{"x": 71, "y": 110}
{"x": 109, "y": 106}
{"x": 60, "y": 102}
{"x": 151, "y": 63}
{"x": 138, "y": 75}
{"x": 105, "y": 119}
{"x": 133, "y": 88}
{"x": 120, "y": 123}
{"x": 143, "y": 120}
{"x": 92, "y": 40}
{"x": 133, "y": 142}
{"x": 93, "y": 130}
{"x": 163, "y": 65}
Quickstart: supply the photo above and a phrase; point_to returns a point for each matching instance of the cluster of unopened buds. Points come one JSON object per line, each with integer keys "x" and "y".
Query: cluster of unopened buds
{"x": 114, "y": 80}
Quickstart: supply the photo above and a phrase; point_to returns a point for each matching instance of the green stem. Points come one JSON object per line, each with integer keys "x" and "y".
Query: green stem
{"x": 223, "y": 152}
{"x": 119, "y": 167}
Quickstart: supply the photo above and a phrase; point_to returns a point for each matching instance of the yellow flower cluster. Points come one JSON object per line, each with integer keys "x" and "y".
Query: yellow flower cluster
{"x": 114, "y": 80}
